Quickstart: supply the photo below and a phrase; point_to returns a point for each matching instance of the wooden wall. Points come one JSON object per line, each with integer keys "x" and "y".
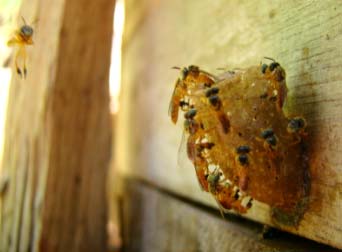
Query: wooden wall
{"x": 304, "y": 36}
{"x": 156, "y": 220}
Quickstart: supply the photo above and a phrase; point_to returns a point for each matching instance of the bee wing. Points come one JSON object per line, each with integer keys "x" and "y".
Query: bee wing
{"x": 174, "y": 103}
{"x": 214, "y": 78}
{"x": 12, "y": 41}
{"x": 183, "y": 159}
{"x": 221, "y": 208}
{"x": 186, "y": 157}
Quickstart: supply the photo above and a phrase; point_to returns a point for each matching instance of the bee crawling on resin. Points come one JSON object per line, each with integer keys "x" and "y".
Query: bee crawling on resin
{"x": 216, "y": 104}
{"x": 195, "y": 147}
{"x": 297, "y": 128}
{"x": 190, "y": 77}
{"x": 276, "y": 73}
{"x": 214, "y": 179}
{"x": 226, "y": 195}
{"x": 20, "y": 39}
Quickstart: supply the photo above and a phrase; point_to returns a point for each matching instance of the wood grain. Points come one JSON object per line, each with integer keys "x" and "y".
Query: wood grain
{"x": 305, "y": 37}
{"x": 58, "y": 131}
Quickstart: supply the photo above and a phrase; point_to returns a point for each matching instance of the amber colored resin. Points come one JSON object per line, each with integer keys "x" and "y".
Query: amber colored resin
{"x": 240, "y": 141}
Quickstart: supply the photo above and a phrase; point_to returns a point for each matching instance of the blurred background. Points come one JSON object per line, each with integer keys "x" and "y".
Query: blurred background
{"x": 11, "y": 19}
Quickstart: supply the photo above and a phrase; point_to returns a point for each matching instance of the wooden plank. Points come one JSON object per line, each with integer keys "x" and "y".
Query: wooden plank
{"x": 156, "y": 221}
{"x": 304, "y": 37}
{"x": 58, "y": 131}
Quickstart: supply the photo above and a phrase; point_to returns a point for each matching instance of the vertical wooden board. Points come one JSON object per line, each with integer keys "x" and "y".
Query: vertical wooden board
{"x": 80, "y": 139}
{"x": 26, "y": 141}
{"x": 156, "y": 221}
{"x": 304, "y": 37}
{"x": 58, "y": 131}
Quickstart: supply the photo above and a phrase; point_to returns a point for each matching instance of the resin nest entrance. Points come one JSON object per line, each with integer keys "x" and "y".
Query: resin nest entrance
{"x": 241, "y": 143}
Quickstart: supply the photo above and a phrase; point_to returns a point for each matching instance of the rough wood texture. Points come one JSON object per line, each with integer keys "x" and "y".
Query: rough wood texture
{"x": 305, "y": 37}
{"x": 58, "y": 131}
{"x": 155, "y": 221}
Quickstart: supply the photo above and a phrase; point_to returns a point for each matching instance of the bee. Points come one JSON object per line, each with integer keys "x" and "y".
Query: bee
{"x": 195, "y": 149}
{"x": 270, "y": 139}
{"x": 296, "y": 127}
{"x": 277, "y": 75}
{"x": 216, "y": 103}
{"x": 224, "y": 194}
{"x": 190, "y": 77}
{"x": 243, "y": 162}
{"x": 213, "y": 185}
{"x": 20, "y": 39}
{"x": 176, "y": 99}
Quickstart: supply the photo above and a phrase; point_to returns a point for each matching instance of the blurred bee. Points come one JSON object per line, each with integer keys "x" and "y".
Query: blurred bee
{"x": 20, "y": 39}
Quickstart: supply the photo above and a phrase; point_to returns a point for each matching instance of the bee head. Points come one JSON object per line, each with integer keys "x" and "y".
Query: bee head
{"x": 26, "y": 31}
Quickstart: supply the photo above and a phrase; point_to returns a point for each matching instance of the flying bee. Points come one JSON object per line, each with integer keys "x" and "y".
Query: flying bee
{"x": 190, "y": 77}
{"x": 20, "y": 39}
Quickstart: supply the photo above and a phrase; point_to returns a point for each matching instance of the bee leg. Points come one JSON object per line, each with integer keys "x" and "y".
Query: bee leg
{"x": 19, "y": 72}
{"x": 24, "y": 60}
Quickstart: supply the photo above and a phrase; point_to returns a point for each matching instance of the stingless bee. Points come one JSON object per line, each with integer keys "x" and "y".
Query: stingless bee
{"x": 190, "y": 77}
{"x": 20, "y": 39}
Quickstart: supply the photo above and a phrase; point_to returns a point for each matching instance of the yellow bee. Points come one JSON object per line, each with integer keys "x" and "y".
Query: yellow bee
{"x": 20, "y": 39}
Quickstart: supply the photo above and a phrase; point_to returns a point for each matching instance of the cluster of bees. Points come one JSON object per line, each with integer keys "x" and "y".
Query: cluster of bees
{"x": 241, "y": 143}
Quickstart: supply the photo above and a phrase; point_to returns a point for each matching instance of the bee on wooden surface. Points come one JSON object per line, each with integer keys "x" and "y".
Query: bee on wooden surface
{"x": 296, "y": 125}
{"x": 20, "y": 39}
{"x": 297, "y": 128}
{"x": 179, "y": 93}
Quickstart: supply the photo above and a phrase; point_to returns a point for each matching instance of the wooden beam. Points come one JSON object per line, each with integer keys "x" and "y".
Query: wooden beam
{"x": 58, "y": 131}
{"x": 157, "y": 221}
{"x": 304, "y": 37}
